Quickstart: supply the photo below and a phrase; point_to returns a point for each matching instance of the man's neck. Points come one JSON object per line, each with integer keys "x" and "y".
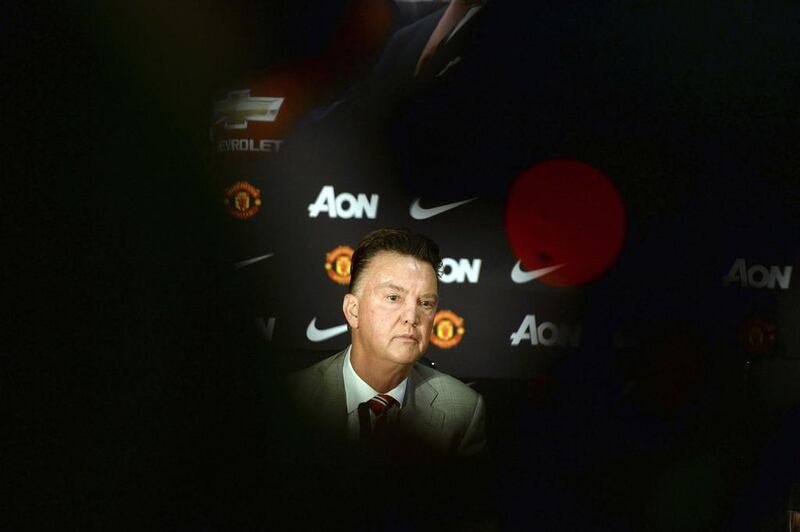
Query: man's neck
{"x": 381, "y": 376}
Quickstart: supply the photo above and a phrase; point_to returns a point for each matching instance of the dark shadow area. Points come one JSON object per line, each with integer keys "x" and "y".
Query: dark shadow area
{"x": 136, "y": 393}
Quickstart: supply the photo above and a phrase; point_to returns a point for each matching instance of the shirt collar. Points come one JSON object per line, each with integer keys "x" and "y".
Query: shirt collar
{"x": 357, "y": 391}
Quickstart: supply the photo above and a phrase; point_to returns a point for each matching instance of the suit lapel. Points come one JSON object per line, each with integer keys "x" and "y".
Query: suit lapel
{"x": 396, "y": 69}
{"x": 418, "y": 41}
{"x": 448, "y": 53}
{"x": 419, "y": 415}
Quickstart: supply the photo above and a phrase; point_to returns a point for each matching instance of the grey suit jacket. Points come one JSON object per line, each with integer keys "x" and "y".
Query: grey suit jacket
{"x": 439, "y": 412}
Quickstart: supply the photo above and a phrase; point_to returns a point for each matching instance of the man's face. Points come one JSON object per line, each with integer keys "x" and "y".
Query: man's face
{"x": 396, "y": 300}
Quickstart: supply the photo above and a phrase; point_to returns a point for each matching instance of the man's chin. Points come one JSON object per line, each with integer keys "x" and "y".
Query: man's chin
{"x": 405, "y": 355}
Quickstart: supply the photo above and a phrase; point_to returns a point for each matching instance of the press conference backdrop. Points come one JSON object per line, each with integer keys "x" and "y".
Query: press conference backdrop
{"x": 590, "y": 200}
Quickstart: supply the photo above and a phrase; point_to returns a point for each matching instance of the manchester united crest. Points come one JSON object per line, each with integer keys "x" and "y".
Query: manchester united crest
{"x": 448, "y": 329}
{"x": 337, "y": 264}
{"x": 242, "y": 200}
{"x": 758, "y": 337}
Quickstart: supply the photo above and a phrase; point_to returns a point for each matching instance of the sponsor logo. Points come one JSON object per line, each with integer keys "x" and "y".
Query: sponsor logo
{"x": 266, "y": 328}
{"x": 547, "y": 222}
{"x": 758, "y": 336}
{"x": 344, "y": 205}
{"x": 337, "y": 264}
{"x": 418, "y": 212}
{"x": 758, "y": 276}
{"x": 249, "y": 145}
{"x": 448, "y": 329}
{"x": 239, "y": 108}
{"x": 242, "y": 200}
{"x": 320, "y": 335}
{"x": 519, "y": 276}
{"x": 546, "y": 333}
{"x": 248, "y": 262}
{"x": 461, "y": 270}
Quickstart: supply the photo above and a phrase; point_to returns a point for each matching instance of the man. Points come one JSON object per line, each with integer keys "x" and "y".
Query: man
{"x": 389, "y": 308}
{"x": 388, "y": 430}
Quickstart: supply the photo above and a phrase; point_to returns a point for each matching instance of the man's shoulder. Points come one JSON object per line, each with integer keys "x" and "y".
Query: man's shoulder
{"x": 319, "y": 367}
{"x": 311, "y": 375}
{"x": 459, "y": 409}
{"x": 448, "y": 388}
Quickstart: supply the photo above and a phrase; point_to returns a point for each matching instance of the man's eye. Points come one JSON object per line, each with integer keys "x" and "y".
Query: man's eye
{"x": 428, "y": 304}
{"x": 393, "y": 297}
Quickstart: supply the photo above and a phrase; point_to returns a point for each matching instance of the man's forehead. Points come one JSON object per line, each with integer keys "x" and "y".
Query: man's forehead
{"x": 390, "y": 284}
{"x": 387, "y": 266}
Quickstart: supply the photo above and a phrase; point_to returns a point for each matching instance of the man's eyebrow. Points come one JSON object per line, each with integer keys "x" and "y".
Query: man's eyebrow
{"x": 392, "y": 286}
{"x": 397, "y": 288}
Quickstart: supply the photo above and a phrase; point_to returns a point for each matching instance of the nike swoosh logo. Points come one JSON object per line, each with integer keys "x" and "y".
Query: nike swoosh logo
{"x": 519, "y": 276}
{"x": 320, "y": 335}
{"x": 248, "y": 262}
{"x": 421, "y": 213}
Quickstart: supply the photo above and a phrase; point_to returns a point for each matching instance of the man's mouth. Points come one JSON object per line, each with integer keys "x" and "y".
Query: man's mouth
{"x": 407, "y": 337}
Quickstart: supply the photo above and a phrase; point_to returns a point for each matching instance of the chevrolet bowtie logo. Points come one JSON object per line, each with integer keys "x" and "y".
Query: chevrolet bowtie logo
{"x": 239, "y": 108}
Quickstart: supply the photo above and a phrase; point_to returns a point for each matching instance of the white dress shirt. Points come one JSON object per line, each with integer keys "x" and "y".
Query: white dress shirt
{"x": 357, "y": 391}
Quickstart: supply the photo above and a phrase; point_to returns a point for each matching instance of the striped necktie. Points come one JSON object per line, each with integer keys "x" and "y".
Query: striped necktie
{"x": 379, "y": 406}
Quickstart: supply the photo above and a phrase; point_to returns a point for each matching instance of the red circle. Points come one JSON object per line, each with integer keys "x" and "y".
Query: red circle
{"x": 565, "y": 213}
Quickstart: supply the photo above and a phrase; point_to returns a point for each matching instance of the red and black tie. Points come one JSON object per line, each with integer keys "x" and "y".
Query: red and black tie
{"x": 376, "y": 409}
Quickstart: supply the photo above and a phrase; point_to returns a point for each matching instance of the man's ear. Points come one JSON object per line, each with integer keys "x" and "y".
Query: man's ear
{"x": 350, "y": 309}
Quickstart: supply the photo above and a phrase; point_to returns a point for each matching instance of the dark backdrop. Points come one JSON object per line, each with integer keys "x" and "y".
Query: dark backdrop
{"x": 137, "y": 391}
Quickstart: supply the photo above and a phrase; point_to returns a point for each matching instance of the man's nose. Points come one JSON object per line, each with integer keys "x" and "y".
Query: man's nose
{"x": 409, "y": 312}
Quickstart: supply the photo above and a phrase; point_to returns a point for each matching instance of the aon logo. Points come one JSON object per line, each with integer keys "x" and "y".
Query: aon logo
{"x": 459, "y": 271}
{"x": 758, "y": 276}
{"x": 546, "y": 333}
{"x": 344, "y": 205}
